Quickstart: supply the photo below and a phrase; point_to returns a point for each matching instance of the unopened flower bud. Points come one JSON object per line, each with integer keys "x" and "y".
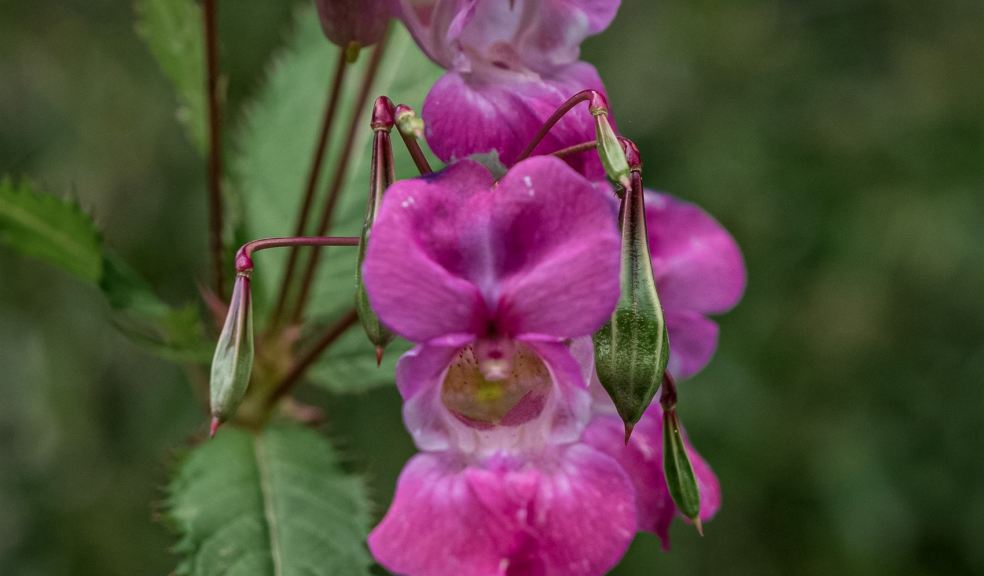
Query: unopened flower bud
{"x": 609, "y": 148}
{"x": 408, "y": 122}
{"x": 632, "y": 349}
{"x": 353, "y": 24}
{"x": 380, "y": 179}
{"x": 233, "y": 360}
{"x": 680, "y": 478}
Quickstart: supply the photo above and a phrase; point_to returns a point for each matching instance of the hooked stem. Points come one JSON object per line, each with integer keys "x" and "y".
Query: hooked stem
{"x": 244, "y": 256}
{"x": 314, "y": 174}
{"x": 596, "y": 99}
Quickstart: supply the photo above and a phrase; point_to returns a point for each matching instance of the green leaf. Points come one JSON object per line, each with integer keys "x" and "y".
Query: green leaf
{"x": 349, "y": 366}
{"x": 273, "y": 503}
{"x": 172, "y": 30}
{"x": 271, "y": 164}
{"x": 51, "y": 229}
{"x": 275, "y": 144}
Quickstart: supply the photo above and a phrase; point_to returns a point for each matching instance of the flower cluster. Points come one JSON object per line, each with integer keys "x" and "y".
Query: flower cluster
{"x": 546, "y": 303}
{"x": 500, "y": 285}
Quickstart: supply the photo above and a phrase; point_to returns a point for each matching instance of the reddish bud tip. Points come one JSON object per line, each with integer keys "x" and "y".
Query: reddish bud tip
{"x": 379, "y": 356}
{"x": 382, "y": 114}
{"x": 699, "y": 526}
{"x": 214, "y": 426}
{"x": 598, "y": 103}
{"x": 628, "y": 432}
{"x": 243, "y": 261}
{"x": 632, "y": 155}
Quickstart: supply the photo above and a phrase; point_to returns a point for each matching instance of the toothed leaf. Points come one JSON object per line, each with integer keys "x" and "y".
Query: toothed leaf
{"x": 51, "y": 229}
{"x": 274, "y": 503}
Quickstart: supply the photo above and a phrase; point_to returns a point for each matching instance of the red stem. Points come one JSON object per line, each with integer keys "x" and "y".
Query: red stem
{"x": 596, "y": 99}
{"x": 214, "y": 146}
{"x": 314, "y": 174}
{"x": 582, "y": 147}
{"x": 413, "y": 147}
{"x": 341, "y": 170}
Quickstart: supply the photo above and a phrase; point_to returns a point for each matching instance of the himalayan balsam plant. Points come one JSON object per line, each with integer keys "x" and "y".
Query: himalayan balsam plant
{"x": 505, "y": 268}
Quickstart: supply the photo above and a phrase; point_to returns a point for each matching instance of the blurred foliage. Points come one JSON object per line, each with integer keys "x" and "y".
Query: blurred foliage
{"x": 841, "y": 141}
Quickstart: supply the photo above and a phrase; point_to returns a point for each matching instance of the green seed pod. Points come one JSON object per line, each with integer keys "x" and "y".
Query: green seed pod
{"x": 632, "y": 349}
{"x": 233, "y": 360}
{"x": 609, "y": 147}
{"x": 380, "y": 179}
{"x": 680, "y": 478}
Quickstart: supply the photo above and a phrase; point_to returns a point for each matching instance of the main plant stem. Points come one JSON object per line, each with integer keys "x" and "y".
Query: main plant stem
{"x": 341, "y": 169}
{"x": 314, "y": 174}
{"x": 214, "y": 147}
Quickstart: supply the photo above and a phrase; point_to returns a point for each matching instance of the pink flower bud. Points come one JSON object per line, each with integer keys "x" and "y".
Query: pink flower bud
{"x": 352, "y": 24}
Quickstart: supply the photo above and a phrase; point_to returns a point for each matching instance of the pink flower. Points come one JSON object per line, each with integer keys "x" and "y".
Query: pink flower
{"x": 500, "y": 286}
{"x": 510, "y": 65}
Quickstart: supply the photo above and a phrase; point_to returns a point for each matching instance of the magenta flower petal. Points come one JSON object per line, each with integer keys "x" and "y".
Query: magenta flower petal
{"x": 414, "y": 264}
{"x": 693, "y": 339}
{"x": 502, "y": 111}
{"x": 697, "y": 264}
{"x": 572, "y": 512}
{"x": 451, "y": 257}
{"x": 560, "y": 252}
{"x": 571, "y": 402}
{"x": 642, "y": 460}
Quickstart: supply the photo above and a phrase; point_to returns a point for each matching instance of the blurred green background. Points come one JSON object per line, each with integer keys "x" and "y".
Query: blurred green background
{"x": 841, "y": 141}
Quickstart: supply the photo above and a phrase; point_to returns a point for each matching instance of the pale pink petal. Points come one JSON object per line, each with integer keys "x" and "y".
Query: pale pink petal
{"x": 697, "y": 264}
{"x": 540, "y": 34}
{"x": 419, "y": 375}
{"x": 571, "y": 512}
{"x": 570, "y": 404}
{"x": 693, "y": 339}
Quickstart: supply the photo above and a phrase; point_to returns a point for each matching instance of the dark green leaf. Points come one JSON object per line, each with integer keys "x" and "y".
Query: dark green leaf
{"x": 50, "y": 229}
{"x": 268, "y": 504}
